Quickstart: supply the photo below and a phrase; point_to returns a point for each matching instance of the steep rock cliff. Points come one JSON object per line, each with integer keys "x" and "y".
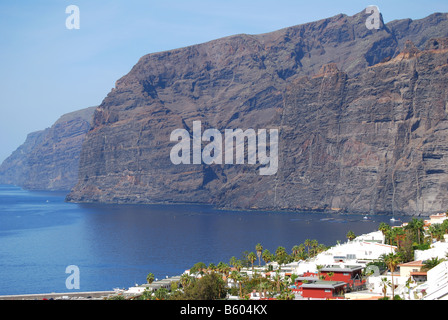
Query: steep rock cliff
{"x": 360, "y": 114}
{"x": 49, "y": 159}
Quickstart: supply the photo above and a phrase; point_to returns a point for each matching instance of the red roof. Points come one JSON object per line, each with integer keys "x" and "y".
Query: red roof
{"x": 417, "y": 263}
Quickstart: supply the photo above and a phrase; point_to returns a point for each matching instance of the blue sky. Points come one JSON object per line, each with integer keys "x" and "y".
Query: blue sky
{"x": 47, "y": 70}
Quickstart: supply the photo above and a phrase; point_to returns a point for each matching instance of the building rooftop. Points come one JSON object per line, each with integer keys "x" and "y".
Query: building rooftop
{"x": 324, "y": 284}
{"x": 341, "y": 269}
{"x": 417, "y": 263}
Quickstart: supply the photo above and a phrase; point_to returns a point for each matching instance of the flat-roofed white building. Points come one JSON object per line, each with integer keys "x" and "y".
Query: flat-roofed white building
{"x": 437, "y": 283}
{"x": 438, "y": 249}
{"x": 376, "y": 236}
{"x": 360, "y": 251}
{"x": 355, "y": 252}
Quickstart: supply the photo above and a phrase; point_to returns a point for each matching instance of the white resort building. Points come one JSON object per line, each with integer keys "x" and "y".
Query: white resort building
{"x": 346, "y": 263}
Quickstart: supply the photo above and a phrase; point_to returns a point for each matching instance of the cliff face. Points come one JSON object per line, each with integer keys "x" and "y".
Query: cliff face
{"x": 48, "y": 159}
{"x": 371, "y": 143}
{"x": 360, "y": 113}
{"x": 15, "y": 169}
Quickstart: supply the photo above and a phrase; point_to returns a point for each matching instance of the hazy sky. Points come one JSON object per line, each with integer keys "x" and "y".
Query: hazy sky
{"x": 47, "y": 70}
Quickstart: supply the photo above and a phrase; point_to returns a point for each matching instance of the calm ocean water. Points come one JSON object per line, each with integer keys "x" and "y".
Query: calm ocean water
{"x": 118, "y": 245}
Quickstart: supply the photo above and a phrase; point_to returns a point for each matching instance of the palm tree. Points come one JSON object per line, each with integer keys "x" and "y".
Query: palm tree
{"x": 314, "y": 245}
{"x": 295, "y": 252}
{"x": 384, "y": 228}
{"x": 392, "y": 260}
{"x": 319, "y": 267}
{"x": 385, "y": 283}
{"x": 237, "y": 277}
{"x": 321, "y": 248}
{"x": 265, "y": 286}
{"x": 161, "y": 294}
{"x": 211, "y": 267}
{"x": 408, "y": 286}
{"x": 198, "y": 267}
{"x": 431, "y": 263}
{"x": 266, "y": 256}
{"x": 278, "y": 280}
{"x": 233, "y": 261}
{"x": 416, "y": 225}
{"x": 308, "y": 245}
{"x": 301, "y": 252}
{"x": 185, "y": 280}
{"x": 252, "y": 257}
{"x": 444, "y": 226}
{"x": 432, "y": 232}
{"x": 351, "y": 235}
{"x": 419, "y": 224}
{"x": 259, "y": 250}
{"x": 150, "y": 278}
{"x": 397, "y": 234}
{"x": 280, "y": 256}
{"x": 223, "y": 268}
{"x": 436, "y": 231}
{"x": 238, "y": 265}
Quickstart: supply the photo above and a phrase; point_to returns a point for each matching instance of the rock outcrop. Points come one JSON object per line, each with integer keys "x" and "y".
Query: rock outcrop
{"x": 361, "y": 115}
{"x": 49, "y": 159}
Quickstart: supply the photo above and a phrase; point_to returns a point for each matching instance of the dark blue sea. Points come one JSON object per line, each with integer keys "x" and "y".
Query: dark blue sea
{"x": 116, "y": 246}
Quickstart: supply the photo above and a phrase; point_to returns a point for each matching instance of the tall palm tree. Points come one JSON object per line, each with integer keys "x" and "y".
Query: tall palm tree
{"x": 259, "y": 250}
{"x": 278, "y": 280}
{"x": 384, "y": 228}
{"x": 432, "y": 231}
{"x": 397, "y": 234}
{"x": 185, "y": 280}
{"x": 308, "y": 245}
{"x": 436, "y": 231}
{"x": 419, "y": 224}
{"x": 280, "y": 256}
{"x": 232, "y": 261}
{"x": 238, "y": 265}
{"x": 150, "y": 278}
{"x": 416, "y": 226}
{"x": 295, "y": 252}
{"x": 266, "y": 256}
{"x": 314, "y": 245}
{"x": 302, "y": 253}
{"x": 223, "y": 268}
{"x": 265, "y": 286}
{"x": 252, "y": 257}
{"x": 236, "y": 276}
{"x": 392, "y": 260}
